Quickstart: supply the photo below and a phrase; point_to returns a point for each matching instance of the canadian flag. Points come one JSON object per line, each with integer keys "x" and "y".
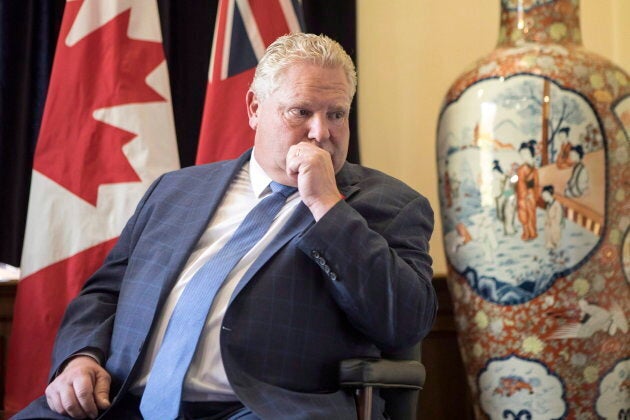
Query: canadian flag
{"x": 243, "y": 30}
{"x": 107, "y": 133}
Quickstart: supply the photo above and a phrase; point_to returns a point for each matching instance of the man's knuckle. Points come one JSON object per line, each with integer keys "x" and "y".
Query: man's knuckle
{"x": 52, "y": 403}
{"x": 69, "y": 405}
{"x": 83, "y": 393}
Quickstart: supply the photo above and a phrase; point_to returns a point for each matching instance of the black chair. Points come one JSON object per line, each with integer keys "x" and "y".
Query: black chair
{"x": 399, "y": 376}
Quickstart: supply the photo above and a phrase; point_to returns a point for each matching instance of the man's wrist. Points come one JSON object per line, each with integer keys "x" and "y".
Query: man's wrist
{"x": 320, "y": 207}
{"x": 83, "y": 353}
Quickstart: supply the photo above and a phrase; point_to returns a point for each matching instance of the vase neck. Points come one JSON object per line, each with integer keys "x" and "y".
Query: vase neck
{"x": 540, "y": 21}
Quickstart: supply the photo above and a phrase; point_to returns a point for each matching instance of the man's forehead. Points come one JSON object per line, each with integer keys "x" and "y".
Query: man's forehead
{"x": 313, "y": 100}
{"x": 313, "y": 76}
{"x": 331, "y": 96}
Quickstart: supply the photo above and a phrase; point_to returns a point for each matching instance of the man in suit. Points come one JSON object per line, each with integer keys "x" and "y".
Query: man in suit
{"x": 342, "y": 272}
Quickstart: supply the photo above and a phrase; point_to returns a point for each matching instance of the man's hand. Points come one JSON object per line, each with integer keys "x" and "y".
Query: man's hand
{"x": 313, "y": 168}
{"x": 80, "y": 390}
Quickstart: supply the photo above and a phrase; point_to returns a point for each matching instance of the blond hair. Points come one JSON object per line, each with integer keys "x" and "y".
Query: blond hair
{"x": 300, "y": 48}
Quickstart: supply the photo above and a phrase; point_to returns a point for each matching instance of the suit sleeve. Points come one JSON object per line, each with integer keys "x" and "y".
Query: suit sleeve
{"x": 88, "y": 320}
{"x": 378, "y": 269}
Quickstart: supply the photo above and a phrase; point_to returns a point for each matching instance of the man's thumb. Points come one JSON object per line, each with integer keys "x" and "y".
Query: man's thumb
{"x": 101, "y": 390}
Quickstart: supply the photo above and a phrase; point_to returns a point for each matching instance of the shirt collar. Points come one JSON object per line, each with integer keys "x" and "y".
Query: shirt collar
{"x": 257, "y": 176}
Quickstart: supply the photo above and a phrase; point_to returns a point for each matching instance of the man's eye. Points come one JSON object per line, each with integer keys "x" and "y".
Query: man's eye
{"x": 298, "y": 112}
{"x": 339, "y": 115}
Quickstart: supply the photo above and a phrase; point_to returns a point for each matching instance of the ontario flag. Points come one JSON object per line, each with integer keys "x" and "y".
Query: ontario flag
{"x": 107, "y": 132}
{"x": 243, "y": 30}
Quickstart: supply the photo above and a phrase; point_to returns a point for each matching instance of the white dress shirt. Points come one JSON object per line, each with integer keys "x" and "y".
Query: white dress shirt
{"x": 206, "y": 379}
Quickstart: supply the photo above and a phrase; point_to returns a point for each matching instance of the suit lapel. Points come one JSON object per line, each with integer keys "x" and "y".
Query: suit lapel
{"x": 300, "y": 220}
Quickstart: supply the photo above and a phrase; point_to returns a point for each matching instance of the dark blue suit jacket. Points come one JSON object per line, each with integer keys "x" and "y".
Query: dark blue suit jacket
{"x": 356, "y": 282}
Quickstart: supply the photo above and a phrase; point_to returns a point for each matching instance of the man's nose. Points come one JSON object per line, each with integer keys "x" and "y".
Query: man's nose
{"x": 319, "y": 129}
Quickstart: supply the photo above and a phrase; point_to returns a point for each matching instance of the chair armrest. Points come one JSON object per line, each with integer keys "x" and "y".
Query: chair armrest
{"x": 381, "y": 373}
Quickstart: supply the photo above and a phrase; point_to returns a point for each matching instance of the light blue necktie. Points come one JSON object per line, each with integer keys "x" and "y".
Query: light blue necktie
{"x": 162, "y": 394}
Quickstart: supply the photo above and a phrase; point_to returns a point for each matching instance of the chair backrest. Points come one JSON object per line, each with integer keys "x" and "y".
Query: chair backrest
{"x": 402, "y": 404}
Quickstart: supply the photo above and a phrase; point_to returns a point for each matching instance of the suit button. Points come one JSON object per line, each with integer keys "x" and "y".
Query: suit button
{"x": 315, "y": 254}
{"x": 332, "y": 276}
{"x": 326, "y": 269}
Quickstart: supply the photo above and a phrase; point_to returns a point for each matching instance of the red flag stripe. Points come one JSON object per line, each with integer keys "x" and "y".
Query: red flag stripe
{"x": 266, "y": 14}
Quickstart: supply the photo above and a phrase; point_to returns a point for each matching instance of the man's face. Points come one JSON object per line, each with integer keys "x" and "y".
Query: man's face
{"x": 311, "y": 104}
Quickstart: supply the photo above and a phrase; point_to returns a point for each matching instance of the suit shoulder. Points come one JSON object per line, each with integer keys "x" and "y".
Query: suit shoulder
{"x": 199, "y": 171}
{"x": 371, "y": 180}
{"x": 193, "y": 181}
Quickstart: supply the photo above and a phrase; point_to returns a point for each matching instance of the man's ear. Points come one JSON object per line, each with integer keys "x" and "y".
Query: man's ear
{"x": 252, "y": 109}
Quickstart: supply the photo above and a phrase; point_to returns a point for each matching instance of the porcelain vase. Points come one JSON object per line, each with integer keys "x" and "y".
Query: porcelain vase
{"x": 533, "y": 160}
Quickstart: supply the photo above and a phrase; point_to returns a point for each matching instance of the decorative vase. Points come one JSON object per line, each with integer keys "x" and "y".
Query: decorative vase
{"x": 533, "y": 151}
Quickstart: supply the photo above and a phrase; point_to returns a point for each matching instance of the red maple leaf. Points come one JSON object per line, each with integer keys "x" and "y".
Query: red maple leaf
{"x": 104, "y": 69}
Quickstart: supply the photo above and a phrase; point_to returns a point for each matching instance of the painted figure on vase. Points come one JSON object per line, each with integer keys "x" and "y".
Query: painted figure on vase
{"x": 563, "y": 160}
{"x": 554, "y": 218}
{"x": 505, "y": 200}
{"x": 527, "y": 190}
{"x": 577, "y": 185}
